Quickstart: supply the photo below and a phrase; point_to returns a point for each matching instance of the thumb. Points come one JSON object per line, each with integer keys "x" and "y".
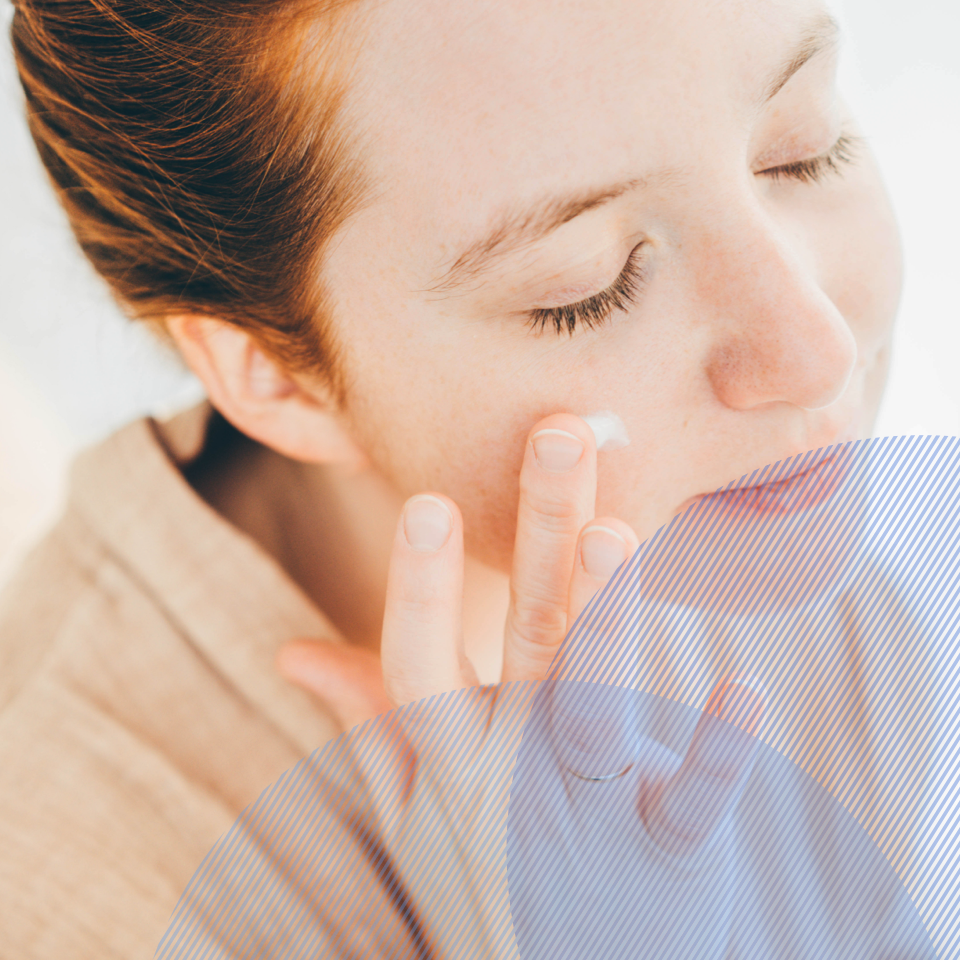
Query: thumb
{"x": 348, "y": 680}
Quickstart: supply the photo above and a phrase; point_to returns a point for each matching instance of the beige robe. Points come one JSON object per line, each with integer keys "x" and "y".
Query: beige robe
{"x": 140, "y": 710}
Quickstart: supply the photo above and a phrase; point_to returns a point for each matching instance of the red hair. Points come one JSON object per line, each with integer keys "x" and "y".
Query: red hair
{"x": 199, "y": 149}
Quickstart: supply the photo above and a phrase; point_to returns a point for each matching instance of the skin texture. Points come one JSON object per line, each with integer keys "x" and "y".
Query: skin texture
{"x": 762, "y": 328}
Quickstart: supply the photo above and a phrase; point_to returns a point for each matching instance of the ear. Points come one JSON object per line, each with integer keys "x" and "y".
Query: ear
{"x": 260, "y": 398}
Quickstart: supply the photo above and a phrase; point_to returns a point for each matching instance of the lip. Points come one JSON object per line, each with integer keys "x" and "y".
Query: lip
{"x": 808, "y": 487}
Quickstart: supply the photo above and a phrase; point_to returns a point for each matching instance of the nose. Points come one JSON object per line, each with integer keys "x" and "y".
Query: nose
{"x": 776, "y": 336}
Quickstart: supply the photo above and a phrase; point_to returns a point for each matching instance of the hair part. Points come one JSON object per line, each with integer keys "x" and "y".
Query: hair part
{"x": 200, "y": 152}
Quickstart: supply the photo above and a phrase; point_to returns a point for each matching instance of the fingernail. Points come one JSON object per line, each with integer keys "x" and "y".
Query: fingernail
{"x": 557, "y": 451}
{"x": 602, "y": 550}
{"x": 426, "y": 523}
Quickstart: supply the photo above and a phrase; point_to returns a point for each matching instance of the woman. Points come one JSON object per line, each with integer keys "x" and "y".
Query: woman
{"x": 406, "y": 247}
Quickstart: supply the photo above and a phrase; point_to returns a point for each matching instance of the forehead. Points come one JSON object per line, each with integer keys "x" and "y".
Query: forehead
{"x": 464, "y": 104}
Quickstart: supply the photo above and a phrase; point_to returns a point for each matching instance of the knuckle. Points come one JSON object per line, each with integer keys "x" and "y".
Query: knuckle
{"x": 550, "y": 506}
{"x": 538, "y": 621}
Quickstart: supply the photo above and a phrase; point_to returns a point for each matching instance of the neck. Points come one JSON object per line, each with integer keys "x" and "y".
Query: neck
{"x": 332, "y": 530}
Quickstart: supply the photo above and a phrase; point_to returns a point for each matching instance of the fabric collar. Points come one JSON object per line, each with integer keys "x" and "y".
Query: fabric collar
{"x": 229, "y": 598}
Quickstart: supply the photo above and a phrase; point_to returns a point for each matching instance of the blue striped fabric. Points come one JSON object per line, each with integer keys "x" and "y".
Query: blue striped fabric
{"x": 524, "y": 827}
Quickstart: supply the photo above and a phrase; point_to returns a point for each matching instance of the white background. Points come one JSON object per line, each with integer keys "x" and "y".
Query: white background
{"x": 71, "y": 369}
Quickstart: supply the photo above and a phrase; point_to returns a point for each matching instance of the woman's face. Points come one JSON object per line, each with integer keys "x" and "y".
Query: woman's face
{"x": 735, "y": 258}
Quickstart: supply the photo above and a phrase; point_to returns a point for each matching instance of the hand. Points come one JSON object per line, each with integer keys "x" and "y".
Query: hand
{"x": 452, "y": 759}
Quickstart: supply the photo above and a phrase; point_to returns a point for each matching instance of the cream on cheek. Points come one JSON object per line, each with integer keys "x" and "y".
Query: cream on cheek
{"x": 608, "y": 429}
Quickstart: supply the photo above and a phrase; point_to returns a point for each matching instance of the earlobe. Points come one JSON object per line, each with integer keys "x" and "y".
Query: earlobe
{"x": 260, "y": 398}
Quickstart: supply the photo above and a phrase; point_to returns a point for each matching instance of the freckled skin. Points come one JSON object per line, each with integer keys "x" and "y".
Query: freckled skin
{"x": 764, "y": 325}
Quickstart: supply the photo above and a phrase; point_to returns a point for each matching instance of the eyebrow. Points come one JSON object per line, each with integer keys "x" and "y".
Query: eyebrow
{"x": 519, "y": 228}
{"x": 514, "y": 229}
{"x": 822, "y": 35}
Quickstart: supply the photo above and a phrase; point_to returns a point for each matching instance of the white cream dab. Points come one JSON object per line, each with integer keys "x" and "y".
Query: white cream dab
{"x": 609, "y": 430}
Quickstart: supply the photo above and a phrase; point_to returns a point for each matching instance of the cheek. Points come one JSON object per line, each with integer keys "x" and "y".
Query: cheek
{"x": 450, "y": 418}
{"x": 453, "y": 417}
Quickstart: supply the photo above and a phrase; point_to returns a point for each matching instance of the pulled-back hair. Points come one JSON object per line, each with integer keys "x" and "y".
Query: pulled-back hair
{"x": 199, "y": 151}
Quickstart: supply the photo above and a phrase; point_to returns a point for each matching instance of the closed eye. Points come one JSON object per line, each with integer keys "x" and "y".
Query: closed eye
{"x": 595, "y": 310}
{"x": 816, "y": 169}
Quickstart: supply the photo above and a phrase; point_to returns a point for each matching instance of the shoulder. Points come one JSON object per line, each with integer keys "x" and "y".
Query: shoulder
{"x": 128, "y": 744}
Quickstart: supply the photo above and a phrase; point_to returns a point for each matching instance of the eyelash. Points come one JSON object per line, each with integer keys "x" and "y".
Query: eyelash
{"x": 596, "y": 310}
{"x": 623, "y": 292}
{"x": 817, "y": 169}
